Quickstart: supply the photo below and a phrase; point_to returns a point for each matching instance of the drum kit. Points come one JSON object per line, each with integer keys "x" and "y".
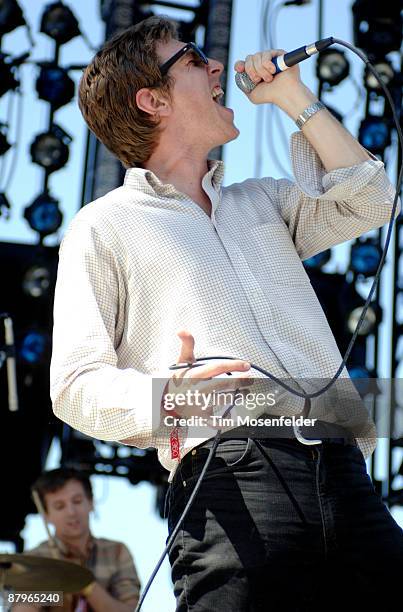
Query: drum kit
{"x": 22, "y": 572}
{"x": 30, "y": 573}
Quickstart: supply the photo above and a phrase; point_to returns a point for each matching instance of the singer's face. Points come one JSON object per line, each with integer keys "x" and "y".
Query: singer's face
{"x": 195, "y": 113}
{"x": 68, "y": 510}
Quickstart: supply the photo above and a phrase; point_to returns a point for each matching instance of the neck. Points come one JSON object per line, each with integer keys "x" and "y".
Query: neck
{"x": 75, "y": 545}
{"x": 184, "y": 168}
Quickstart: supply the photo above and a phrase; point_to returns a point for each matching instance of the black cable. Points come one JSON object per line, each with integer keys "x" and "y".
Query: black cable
{"x": 306, "y": 396}
{"x": 175, "y": 531}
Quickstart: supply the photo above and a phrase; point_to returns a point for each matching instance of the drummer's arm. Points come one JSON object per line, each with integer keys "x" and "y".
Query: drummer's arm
{"x": 101, "y": 601}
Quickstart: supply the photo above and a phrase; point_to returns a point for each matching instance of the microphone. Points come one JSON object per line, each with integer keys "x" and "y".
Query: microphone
{"x": 11, "y": 370}
{"x": 282, "y": 62}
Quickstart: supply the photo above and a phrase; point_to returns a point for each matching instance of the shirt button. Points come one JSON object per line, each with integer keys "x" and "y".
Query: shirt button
{"x": 194, "y": 451}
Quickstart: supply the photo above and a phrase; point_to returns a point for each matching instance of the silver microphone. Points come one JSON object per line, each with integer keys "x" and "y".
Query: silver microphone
{"x": 11, "y": 369}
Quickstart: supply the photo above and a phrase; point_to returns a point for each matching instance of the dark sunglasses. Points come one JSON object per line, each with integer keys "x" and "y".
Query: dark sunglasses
{"x": 188, "y": 47}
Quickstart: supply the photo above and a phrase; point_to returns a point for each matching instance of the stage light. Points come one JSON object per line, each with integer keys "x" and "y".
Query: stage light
{"x": 34, "y": 347}
{"x": 58, "y": 22}
{"x": 7, "y": 80}
{"x": 4, "y": 144}
{"x": 365, "y": 381}
{"x": 378, "y": 26}
{"x": 44, "y": 215}
{"x": 36, "y": 281}
{"x": 10, "y": 16}
{"x": 365, "y": 257}
{"x": 386, "y": 72}
{"x": 332, "y": 67}
{"x": 50, "y": 149}
{"x": 368, "y": 324}
{"x": 374, "y": 134}
{"x": 357, "y": 371}
{"x": 317, "y": 261}
{"x": 54, "y": 85}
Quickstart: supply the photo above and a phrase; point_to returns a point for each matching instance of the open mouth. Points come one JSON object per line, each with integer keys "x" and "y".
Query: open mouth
{"x": 217, "y": 94}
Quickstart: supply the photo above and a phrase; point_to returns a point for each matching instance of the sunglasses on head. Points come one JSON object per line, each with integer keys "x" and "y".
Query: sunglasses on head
{"x": 188, "y": 47}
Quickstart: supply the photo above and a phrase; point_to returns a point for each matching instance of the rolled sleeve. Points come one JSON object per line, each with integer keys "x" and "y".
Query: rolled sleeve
{"x": 324, "y": 209}
{"x": 124, "y": 583}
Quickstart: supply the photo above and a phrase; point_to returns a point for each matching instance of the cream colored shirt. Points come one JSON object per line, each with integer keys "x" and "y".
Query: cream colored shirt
{"x": 145, "y": 260}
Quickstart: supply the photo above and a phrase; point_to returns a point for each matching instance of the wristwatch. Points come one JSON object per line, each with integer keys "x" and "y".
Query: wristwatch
{"x": 308, "y": 113}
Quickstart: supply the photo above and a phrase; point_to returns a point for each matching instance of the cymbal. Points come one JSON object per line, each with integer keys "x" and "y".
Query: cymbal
{"x": 33, "y": 573}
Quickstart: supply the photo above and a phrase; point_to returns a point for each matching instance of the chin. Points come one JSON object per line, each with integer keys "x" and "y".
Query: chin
{"x": 234, "y": 134}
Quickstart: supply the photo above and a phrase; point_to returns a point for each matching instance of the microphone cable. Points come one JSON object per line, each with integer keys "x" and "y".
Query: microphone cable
{"x": 306, "y": 396}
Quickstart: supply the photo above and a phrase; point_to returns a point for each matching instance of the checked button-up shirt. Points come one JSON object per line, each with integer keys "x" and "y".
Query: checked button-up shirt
{"x": 145, "y": 260}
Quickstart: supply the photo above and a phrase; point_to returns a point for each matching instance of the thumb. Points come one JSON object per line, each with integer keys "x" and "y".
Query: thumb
{"x": 186, "y": 352}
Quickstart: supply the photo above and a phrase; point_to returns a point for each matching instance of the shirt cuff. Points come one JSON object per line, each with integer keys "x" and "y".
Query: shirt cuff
{"x": 340, "y": 184}
{"x": 160, "y": 380}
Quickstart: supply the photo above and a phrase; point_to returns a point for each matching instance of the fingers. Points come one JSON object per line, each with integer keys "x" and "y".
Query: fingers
{"x": 187, "y": 349}
{"x": 259, "y": 66}
{"x": 207, "y": 394}
{"x": 227, "y": 384}
{"x": 215, "y": 369}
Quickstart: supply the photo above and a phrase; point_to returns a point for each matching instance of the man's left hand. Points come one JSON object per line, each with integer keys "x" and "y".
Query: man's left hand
{"x": 270, "y": 88}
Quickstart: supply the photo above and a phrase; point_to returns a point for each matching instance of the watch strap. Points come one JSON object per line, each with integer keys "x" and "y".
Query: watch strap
{"x": 309, "y": 112}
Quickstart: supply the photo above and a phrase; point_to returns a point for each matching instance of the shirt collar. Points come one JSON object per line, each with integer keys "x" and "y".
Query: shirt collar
{"x": 91, "y": 543}
{"x": 148, "y": 182}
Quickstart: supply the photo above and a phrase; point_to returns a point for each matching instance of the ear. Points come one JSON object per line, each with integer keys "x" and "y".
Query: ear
{"x": 150, "y": 101}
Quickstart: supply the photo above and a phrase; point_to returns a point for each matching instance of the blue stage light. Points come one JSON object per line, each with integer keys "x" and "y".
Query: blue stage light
{"x": 374, "y": 134}
{"x": 34, "y": 347}
{"x": 364, "y": 381}
{"x": 54, "y": 85}
{"x": 317, "y": 261}
{"x": 357, "y": 372}
{"x": 44, "y": 215}
{"x": 365, "y": 258}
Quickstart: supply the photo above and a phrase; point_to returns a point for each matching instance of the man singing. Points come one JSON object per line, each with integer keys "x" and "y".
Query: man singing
{"x": 277, "y": 524}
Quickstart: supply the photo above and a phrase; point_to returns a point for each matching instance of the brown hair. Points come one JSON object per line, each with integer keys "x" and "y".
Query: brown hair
{"x": 108, "y": 87}
{"x": 53, "y": 480}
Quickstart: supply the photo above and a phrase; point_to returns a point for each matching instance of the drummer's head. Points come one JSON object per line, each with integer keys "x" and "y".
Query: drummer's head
{"x": 66, "y": 495}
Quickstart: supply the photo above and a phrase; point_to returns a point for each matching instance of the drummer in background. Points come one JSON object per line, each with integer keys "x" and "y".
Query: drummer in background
{"x": 67, "y": 499}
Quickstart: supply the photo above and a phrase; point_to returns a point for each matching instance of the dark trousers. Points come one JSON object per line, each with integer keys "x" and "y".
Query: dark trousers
{"x": 280, "y": 526}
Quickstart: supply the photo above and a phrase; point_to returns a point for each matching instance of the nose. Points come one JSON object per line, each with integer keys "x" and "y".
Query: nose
{"x": 71, "y": 510}
{"x": 215, "y": 66}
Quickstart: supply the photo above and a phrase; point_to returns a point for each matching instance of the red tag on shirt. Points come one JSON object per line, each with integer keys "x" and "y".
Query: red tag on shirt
{"x": 174, "y": 441}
